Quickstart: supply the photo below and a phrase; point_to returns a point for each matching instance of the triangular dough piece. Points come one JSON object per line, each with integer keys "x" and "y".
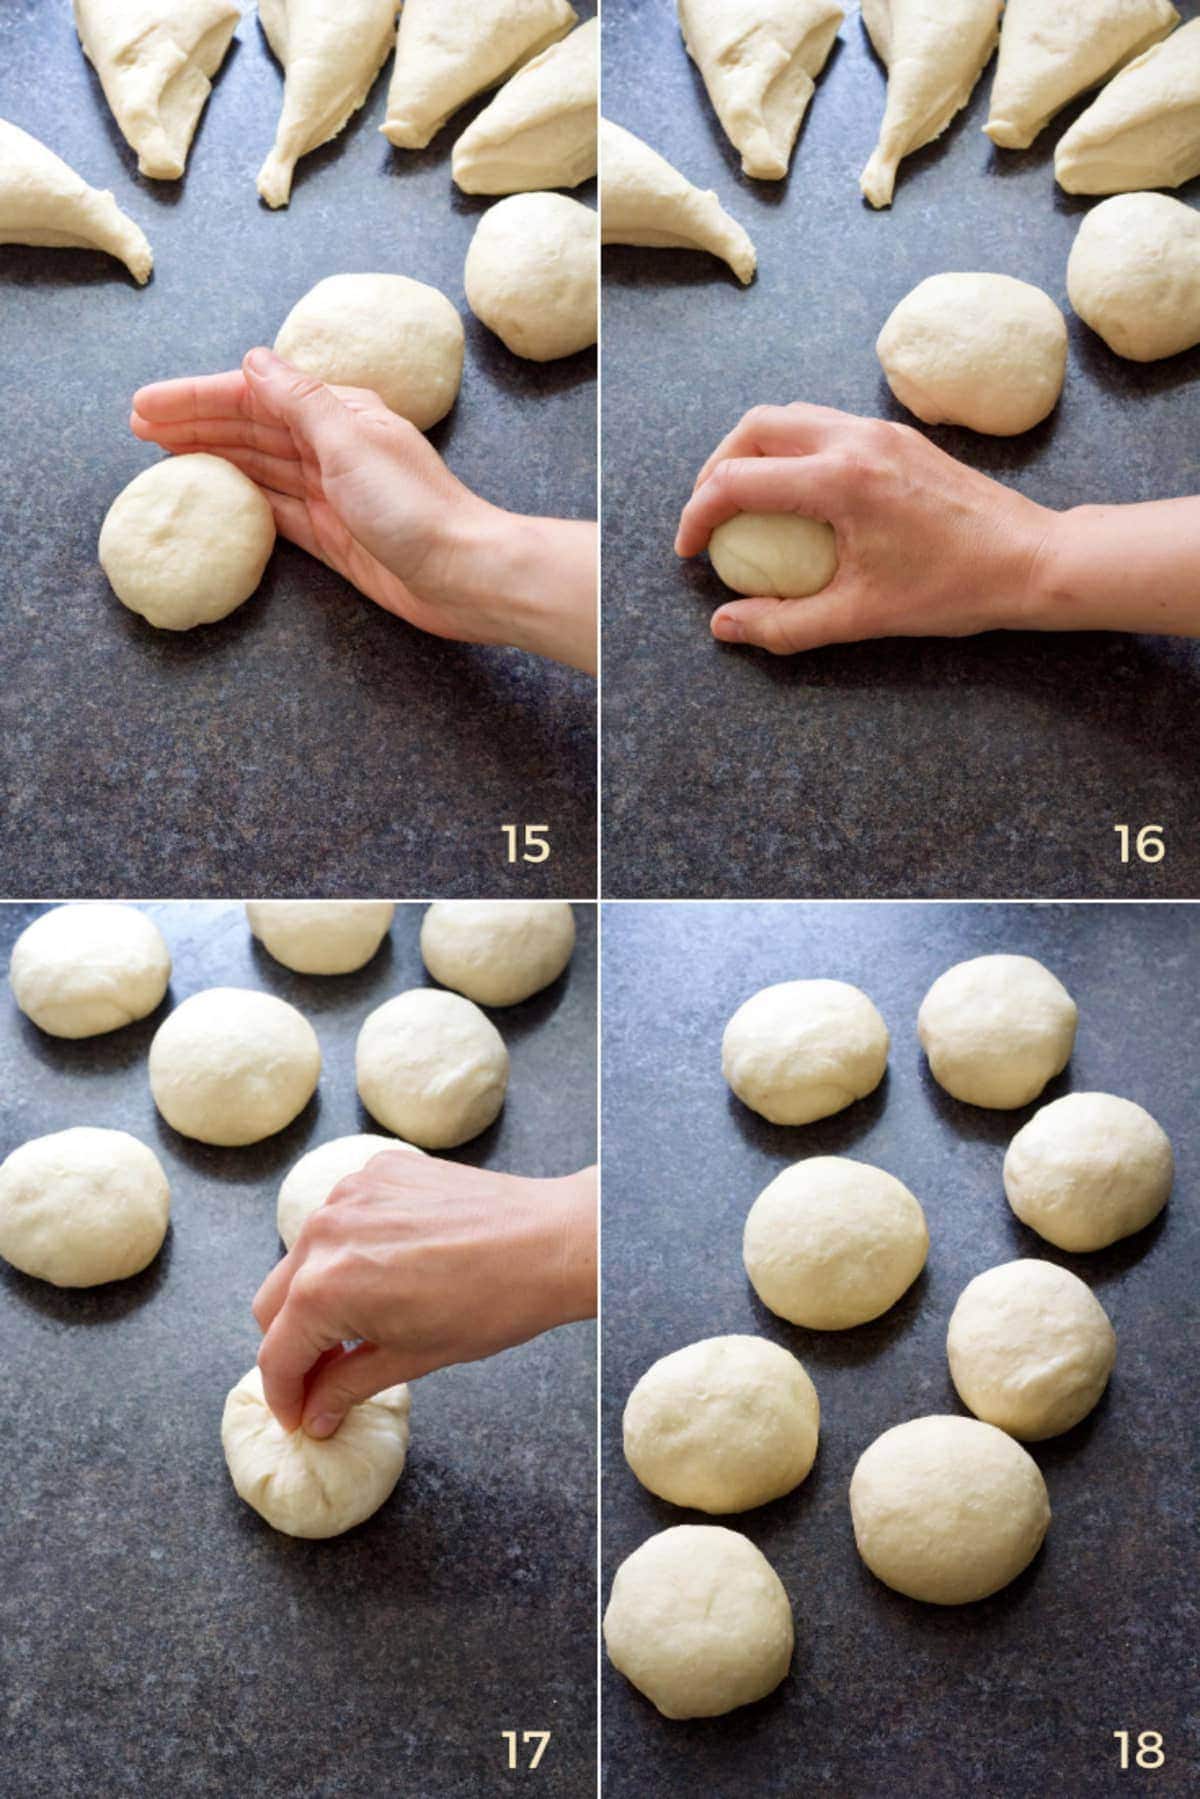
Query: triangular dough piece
{"x": 1052, "y": 50}
{"x": 645, "y": 200}
{"x": 331, "y": 51}
{"x": 447, "y": 53}
{"x": 760, "y": 60}
{"x": 43, "y": 201}
{"x": 540, "y": 130}
{"x": 934, "y": 51}
{"x": 1143, "y": 130}
{"x": 155, "y": 60}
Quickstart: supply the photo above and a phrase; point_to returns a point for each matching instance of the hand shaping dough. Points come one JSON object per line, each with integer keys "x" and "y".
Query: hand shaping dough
{"x": 45, "y": 203}
{"x": 776, "y": 554}
{"x": 934, "y": 52}
{"x": 320, "y": 936}
{"x": 698, "y": 1620}
{"x": 82, "y": 1207}
{"x": 445, "y": 55}
{"x": 1087, "y": 1170}
{"x": 400, "y": 338}
{"x": 540, "y": 130}
{"x": 1143, "y": 130}
{"x": 231, "y": 1066}
{"x": 832, "y": 1243}
{"x": 310, "y": 1488}
{"x": 646, "y": 201}
{"x": 331, "y": 52}
{"x": 760, "y": 60}
{"x": 1050, "y": 52}
{"x": 978, "y": 350}
{"x": 804, "y": 1049}
{"x": 723, "y": 1425}
{"x": 80, "y": 971}
{"x": 1030, "y": 1349}
{"x": 947, "y": 1509}
{"x": 531, "y": 275}
{"x": 310, "y": 1181}
{"x": 497, "y": 952}
{"x": 187, "y": 541}
{"x": 431, "y": 1068}
{"x": 1134, "y": 274}
{"x": 996, "y": 1029}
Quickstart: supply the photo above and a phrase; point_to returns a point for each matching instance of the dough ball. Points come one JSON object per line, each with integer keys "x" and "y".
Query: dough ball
{"x": 804, "y": 1049}
{"x": 774, "y": 553}
{"x": 310, "y": 1181}
{"x": 947, "y": 1509}
{"x": 1134, "y": 275}
{"x": 723, "y": 1425}
{"x": 187, "y": 541}
{"x": 497, "y": 952}
{"x": 996, "y": 1029}
{"x": 832, "y": 1243}
{"x": 398, "y": 337}
{"x": 310, "y": 1488}
{"x": 532, "y": 275}
{"x": 79, "y": 971}
{"x": 1030, "y": 1348}
{"x": 979, "y": 350}
{"x": 431, "y": 1067}
{"x": 320, "y": 936}
{"x": 698, "y": 1620}
{"x": 82, "y": 1207}
{"x": 1087, "y": 1170}
{"x": 231, "y": 1066}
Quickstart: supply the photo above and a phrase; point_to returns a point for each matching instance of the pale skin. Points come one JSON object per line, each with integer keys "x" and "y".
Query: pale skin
{"x": 928, "y": 547}
{"x": 366, "y": 492}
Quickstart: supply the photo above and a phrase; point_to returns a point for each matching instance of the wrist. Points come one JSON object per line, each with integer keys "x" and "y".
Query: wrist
{"x": 574, "y": 1247}
{"x": 537, "y": 584}
{"x": 1023, "y": 597}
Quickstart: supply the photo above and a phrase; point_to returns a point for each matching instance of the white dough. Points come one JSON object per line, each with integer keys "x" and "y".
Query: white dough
{"x": 804, "y": 1049}
{"x": 310, "y": 1181}
{"x": 723, "y": 1425}
{"x": 82, "y": 1206}
{"x": 1050, "y": 51}
{"x": 644, "y": 200}
{"x": 431, "y": 1067}
{"x": 445, "y": 55}
{"x": 1134, "y": 273}
{"x": 540, "y": 130}
{"x": 331, "y": 52}
{"x": 934, "y": 52}
{"x": 996, "y": 1029}
{"x": 776, "y": 554}
{"x": 532, "y": 275}
{"x": 321, "y": 936}
{"x": 79, "y": 971}
{"x": 45, "y": 203}
{"x": 231, "y": 1066}
{"x": 1088, "y": 1169}
{"x": 699, "y": 1621}
{"x": 1143, "y": 129}
{"x": 497, "y": 952}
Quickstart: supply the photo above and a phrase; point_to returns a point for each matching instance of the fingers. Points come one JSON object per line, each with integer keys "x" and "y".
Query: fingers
{"x": 216, "y": 434}
{"x": 795, "y": 430}
{"x": 787, "y": 626}
{"x": 296, "y": 1339}
{"x": 281, "y": 474}
{"x": 803, "y": 484}
{"x": 193, "y": 397}
{"x": 345, "y": 1379}
{"x": 273, "y": 1292}
{"x": 308, "y": 407}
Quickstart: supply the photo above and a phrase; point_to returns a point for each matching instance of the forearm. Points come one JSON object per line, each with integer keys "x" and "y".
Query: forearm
{"x": 541, "y": 576}
{"x": 1120, "y": 568}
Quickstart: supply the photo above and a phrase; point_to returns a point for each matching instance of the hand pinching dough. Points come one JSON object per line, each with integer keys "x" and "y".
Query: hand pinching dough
{"x": 401, "y": 338}
{"x": 1088, "y": 1170}
{"x": 531, "y": 275}
{"x": 82, "y": 1207}
{"x": 310, "y": 1181}
{"x": 540, "y": 130}
{"x": 804, "y": 1049}
{"x": 1143, "y": 129}
{"x": 996, "y": 1029}
{"x": 497, "y": 952}
{"x": 644, "y": 200}
{"x": 445, "y": 55}
{"x": 934, "y": 55}
{"x": 331, "y": 52}
{"x": 231, "y": 1066}
{"x": 723, "y": 1425}
{"x": 1050, "y": 52}
{"x": 698, "y": 1620}
{"x": 321, "y": 936}
{"x": 431, "y": 1068}
{"x": 44, "y": 202}
{"x": 776, "y": 554}
{"x": 1134, "y": 273}
{"x": 79, "y": 971}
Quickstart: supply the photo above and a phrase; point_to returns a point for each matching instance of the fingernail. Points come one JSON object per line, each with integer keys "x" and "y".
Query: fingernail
{"x": 257, "y": 361}
{"x": 729, "y": 630}
{"x": 323, "y": 1425}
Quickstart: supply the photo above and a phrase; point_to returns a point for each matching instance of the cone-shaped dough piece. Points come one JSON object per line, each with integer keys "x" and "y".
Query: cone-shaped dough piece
{"x": 760, "y": 60}
{"x": 645, "y": 200}
{"x": 934, "y": 52}
{"x": 43, "y": 201}
{"x": 155, "y": 60}
{"x": 448, "y": 53}
{"x": 331, "y": 51}
{"x": 1052, "y": 50}
{"x": 540, "y": 130}
{"x": 1144, "y": 129}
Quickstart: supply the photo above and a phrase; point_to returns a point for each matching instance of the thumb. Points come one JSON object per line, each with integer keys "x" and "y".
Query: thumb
{"x": 784, "y": 626}
{"x": 307, "y": 406}
{"x": 345, "y": 1379}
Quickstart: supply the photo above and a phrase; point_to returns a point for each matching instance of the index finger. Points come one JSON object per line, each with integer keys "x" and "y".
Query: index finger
{"x": 803, "y": 484}
{"x": 793, "y": 430}
{"x": 288, "y": 1354}
{"x": 191, "y": 397}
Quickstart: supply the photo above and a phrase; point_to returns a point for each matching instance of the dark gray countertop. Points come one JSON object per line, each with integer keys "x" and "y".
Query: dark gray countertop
{"x": 1017, "y": 1696}
{"x": 158, "y": 1638}
{"x": 995, "y": 766}
{"x": 311, "y": 743}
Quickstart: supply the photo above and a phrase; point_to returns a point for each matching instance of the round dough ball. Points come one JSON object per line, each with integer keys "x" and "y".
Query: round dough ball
{"x": 79, "y": 971}
{"x": 947, "y": 1509}
{"x": 307, "y": 1487}
{"x": 1087, "y": 1170}
{"x": 996, "y": 1029}
{"x": 698, "y": 1620}
{"x": 832, "y": 1243}
{"x": 320, "y": 936}
{"x": 979, "y": 350}
{"x": 804, "y": 1049}
{"x": 1030, "y": 1348}
{"x": 231, "y": 1066}
{"x": 774, "y": 553}
{"x": 497, "y": 952}
{"x": 532, "y": 275}
{"x": 1134, "y": 275}
{"x": 310, "y": 1181}
{"x": 723, "y": 1425}
{"x": 401, "y": 338}
{"x": 431, "y": 1067}
{"x": 82, "y": 1207}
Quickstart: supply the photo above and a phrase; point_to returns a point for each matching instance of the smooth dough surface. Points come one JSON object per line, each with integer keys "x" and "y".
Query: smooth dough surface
{"x": 1088, "y": 1169}
{"x": 231, "y": 1066}
{"x": 774, "y": 553}
{"x": 79, "y": 971}
{"x": 401, "y": 338}
{"x": 996, "y": 1029}
{"x": 645, "y": 200}
{"x": 497, "y": 952}
{"x": 1051, "y": 51}
{"x": 1143, "y": 129}
{"x": 1134, "y": 273}
{"x": 331, "y": 52}
{"x": 309, "y": 1182}
{"x": 532, "y": 275}
{"x": 699, "y": 1621}
{"x": 934, "y": 52}
{"x": 431, "y": 1067}
{"x": 82, "y": 1206}
{"x": 540, "y": 130}
{"x": 321, "y": 936}
{"x": 804, "y": 1049}
{"x": 447, "y": 54}
{"x": 45, "y": 203}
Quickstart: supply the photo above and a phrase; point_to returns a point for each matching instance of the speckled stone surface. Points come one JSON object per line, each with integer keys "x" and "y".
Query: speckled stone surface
{"x": 1019, "y": 1695}
{"x": 310, "y": 743}
{"x": 995, "y": 766}
{"x": 157, "y": 1637}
